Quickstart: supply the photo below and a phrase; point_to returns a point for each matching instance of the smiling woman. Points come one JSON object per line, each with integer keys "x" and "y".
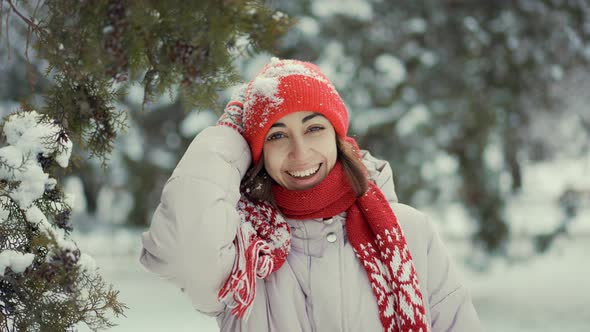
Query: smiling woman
{"x": 312, "y": 135}
{"x": 300, "y": 150}
{"x": 275, "y": 220}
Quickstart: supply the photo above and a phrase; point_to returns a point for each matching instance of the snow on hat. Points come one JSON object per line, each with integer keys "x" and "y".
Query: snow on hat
{"x": 284, "y": 87}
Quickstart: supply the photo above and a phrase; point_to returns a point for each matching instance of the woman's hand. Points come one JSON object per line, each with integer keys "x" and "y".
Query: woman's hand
{"x": 232, "y": 114}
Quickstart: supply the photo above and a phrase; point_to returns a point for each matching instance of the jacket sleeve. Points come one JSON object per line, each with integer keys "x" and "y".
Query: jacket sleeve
{"x": 190, "y": 240}
{"x": 451, "y": 308}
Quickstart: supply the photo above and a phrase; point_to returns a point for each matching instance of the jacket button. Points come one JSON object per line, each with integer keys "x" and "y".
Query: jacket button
{"x": 328, "y": 221}
{"x": 331, "y": 237}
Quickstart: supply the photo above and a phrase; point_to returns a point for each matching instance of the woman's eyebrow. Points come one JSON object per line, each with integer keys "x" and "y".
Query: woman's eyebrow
{"x": 309, "y": 117}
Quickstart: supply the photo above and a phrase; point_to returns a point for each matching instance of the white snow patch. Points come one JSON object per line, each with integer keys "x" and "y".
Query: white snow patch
{"x": 50, "y": 184}
{"x": 29, "y": 172}
{"x": 15, "y": 260}
{"x": 373, "y": 116}
{"x": 543, "y": 183}
{"x": 556, "y": 72}
{"x": 4, "y": 213}
{"x": 281, "y": 68}
{"x": 196, "y": 121}
{"x": 390, "y": 72}
{"x": 416, "y": 25}
{"x": 471, "y": 23}
{"x": 580, "y": 224}
{"x": 309, "y": 26}
{"x": 416, "y": 116}
{"x": 28, "y": 138}
{"x": 358, "y": 9}
{"x": 109, "y": 241}
{"x": 337, "y": 65}
{"x": 451, "y": 220}
{"x": 440, "y": 164}
{"x": 267, "y": 88}
{"x": 493, "y": 155}
{"x": 428, "y": 58}
{"x": 24, "y": 132}
{"x": 36, "y": 217}
{"x": 53, "y": 297}
{"x": 392, "y": 66}
{"x": 132, "y": 143}
{"x": 162, "y": 158}
{"x": 87, "y": 263}
{"x": 278, "y": 15}
{"x": 114, "y": 205}
{"x": 75, "y": 198}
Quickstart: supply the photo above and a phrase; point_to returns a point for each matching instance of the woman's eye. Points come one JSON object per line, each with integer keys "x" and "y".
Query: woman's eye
{"x": 274, "y": 136}
{"x": 315, "y": 128}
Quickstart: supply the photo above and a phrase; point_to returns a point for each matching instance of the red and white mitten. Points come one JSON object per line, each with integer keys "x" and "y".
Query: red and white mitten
{"x": 232, "y": 114}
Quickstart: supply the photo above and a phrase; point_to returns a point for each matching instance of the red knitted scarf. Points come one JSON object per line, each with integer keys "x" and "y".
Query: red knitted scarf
{"x": 372, "y": 228}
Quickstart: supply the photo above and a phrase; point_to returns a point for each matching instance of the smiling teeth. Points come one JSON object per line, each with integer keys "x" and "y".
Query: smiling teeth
{"x": 305, "y": 173}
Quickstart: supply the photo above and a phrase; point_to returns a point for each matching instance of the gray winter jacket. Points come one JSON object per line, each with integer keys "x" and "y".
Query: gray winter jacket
{"x": 322, "y": 286}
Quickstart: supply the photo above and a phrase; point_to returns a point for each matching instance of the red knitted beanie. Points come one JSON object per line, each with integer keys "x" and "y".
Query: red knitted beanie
{"x": 284, "y": 87}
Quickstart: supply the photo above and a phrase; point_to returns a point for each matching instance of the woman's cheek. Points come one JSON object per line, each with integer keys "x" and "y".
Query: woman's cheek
{"x": 275, "y": 158}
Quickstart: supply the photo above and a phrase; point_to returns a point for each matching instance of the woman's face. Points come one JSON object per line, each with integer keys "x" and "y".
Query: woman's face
{"x": 300, "y": 150}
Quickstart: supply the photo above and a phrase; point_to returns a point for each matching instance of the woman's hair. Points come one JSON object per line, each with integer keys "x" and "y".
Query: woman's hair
{"x": 257, "y": 184}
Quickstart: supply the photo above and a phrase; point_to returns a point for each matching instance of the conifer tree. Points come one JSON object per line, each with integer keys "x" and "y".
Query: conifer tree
{"x": 94, "y": 49}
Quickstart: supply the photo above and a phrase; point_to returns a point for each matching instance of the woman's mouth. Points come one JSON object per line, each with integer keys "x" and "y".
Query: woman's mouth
{"x": 305, "y": 174}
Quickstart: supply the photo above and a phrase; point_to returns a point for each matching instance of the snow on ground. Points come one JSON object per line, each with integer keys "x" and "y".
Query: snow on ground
{"x": 154, "y": 304}
{"x": 546, "y": 293}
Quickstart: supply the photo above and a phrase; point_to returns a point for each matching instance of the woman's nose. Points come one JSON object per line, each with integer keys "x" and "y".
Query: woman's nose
{"x": 299, "y": 148}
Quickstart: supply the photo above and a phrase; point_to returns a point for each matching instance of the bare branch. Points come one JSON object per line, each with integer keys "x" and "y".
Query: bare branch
{"x": 29, "y": 22}
{"x": 31, "y": 79}
{"x": 30, "y": 74}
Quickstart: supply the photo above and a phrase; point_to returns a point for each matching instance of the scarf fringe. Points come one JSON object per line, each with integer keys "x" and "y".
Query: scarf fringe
{"x": 252, "y": 261}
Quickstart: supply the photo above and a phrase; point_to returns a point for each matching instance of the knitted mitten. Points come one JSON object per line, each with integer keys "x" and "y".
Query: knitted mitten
{"x": 232, "y": 114}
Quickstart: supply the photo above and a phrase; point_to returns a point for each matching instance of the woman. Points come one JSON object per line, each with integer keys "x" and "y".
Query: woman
{"x": 274, "y": 220}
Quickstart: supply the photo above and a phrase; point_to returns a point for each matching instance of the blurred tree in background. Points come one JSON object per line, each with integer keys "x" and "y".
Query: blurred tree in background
{"x": 448, "y": 91}
{"x": 81, "y": 58}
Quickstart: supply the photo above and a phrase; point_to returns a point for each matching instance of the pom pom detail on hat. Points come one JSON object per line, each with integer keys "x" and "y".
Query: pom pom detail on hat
{"x": 284, "y": 87}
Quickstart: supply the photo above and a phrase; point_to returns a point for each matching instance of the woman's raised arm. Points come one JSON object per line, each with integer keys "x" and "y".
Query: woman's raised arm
{"x": 190, "y": 240}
